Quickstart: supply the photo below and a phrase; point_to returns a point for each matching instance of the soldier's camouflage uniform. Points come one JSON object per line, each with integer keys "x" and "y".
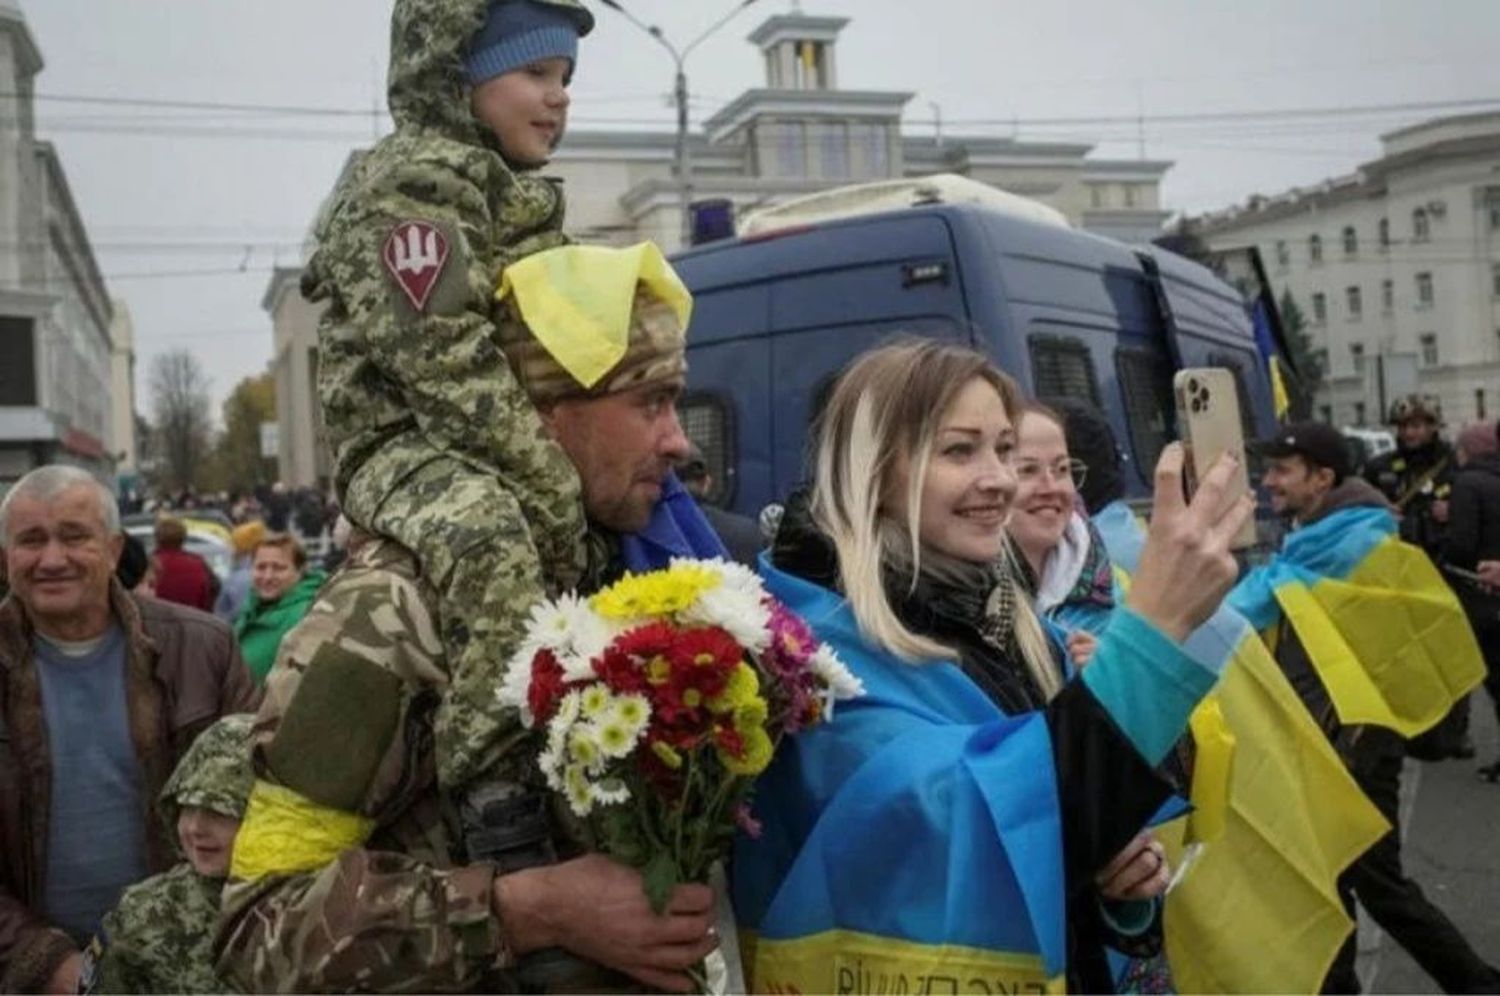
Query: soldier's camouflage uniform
{"x": 434, "y": 442}
{"x": 159, "y": 939}
{"x": 347, "y": 722}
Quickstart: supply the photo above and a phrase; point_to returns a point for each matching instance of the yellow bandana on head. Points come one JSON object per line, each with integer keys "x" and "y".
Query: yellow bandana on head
{"x": 577, "y": 301}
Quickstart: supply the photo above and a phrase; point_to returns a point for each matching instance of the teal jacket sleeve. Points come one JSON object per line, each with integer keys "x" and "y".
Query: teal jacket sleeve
{"x": 1146, "y": 682}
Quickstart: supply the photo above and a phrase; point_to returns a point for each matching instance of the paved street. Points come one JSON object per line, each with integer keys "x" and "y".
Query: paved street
{"x": 1452, "y": 849}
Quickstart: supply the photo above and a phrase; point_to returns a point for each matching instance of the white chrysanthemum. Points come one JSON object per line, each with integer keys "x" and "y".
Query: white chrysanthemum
{"x": 739, "y": 612}
{"x": 611, "y": 792}
{"x": 567, "y": 711}
{"x": 595, "y": 700}
{"x": 551, "y": 762}
{"x": 584, "y": 747}
{"x": 516, "y": 684}
{"x": 737, "y": 576}
{"x": 839, "y": 682}
{"x": 551, "y": 622}
{"x": 632, "y": 711}
{"x": 580, "y": 792}
{"x": 615, "y": 739}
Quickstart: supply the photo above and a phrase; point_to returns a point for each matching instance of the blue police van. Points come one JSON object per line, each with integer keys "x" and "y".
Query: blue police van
{"x": 778, "y": 314}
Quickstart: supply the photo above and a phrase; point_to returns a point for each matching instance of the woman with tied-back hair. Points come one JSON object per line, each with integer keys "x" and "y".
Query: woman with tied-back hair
{"x": 973, "y": 818}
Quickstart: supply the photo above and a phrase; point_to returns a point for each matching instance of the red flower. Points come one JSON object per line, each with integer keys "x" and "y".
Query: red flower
{"x": 620, "y": 671}
{"x": 546, "y": 688}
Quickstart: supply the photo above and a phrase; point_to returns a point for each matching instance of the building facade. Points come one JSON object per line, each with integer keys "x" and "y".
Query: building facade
{"x": 1396, "y": 268}
{"x": 55, "y": 313}
{"x": 800, "y": 133}
{"x": 122, "y": 390}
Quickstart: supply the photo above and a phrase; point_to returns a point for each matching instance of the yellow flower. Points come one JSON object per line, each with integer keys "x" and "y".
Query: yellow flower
{"x": 743, "y": 687}
{"x": 757, "y": 757}
{"x": 658, "y": 671}
{"x": 659, "y": 593}
{"x": 751, "y": 713}
{"x": 668, "y": 754}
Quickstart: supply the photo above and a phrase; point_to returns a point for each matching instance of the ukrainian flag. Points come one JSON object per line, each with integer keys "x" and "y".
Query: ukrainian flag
{"x": 1277, "y": 819}
{"x": 913, "y": 845}
{"x": 1387, "y": 636}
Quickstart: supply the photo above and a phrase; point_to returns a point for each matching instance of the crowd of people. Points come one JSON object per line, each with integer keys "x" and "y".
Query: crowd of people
{"x": 292, "y": 780}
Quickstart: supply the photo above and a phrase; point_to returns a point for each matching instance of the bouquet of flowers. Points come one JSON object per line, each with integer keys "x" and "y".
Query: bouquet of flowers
{"x": 661, "y": 698}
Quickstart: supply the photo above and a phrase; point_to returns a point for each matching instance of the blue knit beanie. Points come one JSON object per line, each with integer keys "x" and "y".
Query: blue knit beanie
{"x": 517, "y": 33}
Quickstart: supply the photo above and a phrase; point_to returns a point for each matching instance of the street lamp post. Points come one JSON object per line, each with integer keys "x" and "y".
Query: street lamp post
{"x": 684, "y": 163}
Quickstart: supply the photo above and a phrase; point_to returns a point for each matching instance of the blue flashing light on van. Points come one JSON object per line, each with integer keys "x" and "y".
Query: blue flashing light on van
{"x": 780, "y": 312}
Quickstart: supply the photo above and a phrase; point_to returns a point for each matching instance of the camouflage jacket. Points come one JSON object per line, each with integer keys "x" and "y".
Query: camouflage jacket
{"x": 159, "y": 939}
{"x": 410, "y": 246}
{"x": 347, "y": 723}
{"x": 1413, "y": 480}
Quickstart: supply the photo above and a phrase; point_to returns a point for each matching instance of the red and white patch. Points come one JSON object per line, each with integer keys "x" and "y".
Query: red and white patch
{"x": 415, "y": 253}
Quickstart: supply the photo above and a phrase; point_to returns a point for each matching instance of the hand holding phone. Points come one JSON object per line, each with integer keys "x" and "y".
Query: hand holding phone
{"x": 1208, "y": 415}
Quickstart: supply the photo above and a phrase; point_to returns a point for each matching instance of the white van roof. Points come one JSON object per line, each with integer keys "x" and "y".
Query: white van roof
{"x": 889, "y": 195}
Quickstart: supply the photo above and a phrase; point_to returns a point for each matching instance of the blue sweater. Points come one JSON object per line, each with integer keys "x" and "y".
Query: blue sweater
{"x": 96, "y": 832}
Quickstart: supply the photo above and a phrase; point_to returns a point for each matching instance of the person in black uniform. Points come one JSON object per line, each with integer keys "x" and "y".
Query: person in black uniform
{"x": 1417, "y": 478}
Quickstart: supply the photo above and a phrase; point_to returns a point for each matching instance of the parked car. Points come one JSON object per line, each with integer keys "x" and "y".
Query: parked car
{"x": 206, "y": 536}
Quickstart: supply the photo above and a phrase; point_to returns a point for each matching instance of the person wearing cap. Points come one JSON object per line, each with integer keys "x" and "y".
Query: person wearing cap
{"x": 245, "y": 538}
{"x": 740, "y": 533}
{"x": 379, "y": 892}
{"x": 159, "y": 938}
{"x": 1337, "y": 521}
{"x": 420, "y": 406}
{"x": 1417, "y": 478}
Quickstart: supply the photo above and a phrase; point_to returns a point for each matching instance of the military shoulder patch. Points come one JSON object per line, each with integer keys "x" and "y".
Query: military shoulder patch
{"x": 415, "y": 253}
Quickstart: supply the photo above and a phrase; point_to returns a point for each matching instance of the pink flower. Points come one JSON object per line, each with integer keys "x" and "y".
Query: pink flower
{"x": 746, "y": 822}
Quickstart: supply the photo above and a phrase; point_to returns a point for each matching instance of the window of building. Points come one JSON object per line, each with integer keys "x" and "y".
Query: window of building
{"x": 1387, "y": 295}
{"x": 1355, "y": 305}
{"x": 833, "y": 150}
{"x": 1146, "y": 388}
{"x": 1325, "y": 413}
{"x": 1351, "y": 241}
{"x": 1129, "y": 189}
{"x": 1359, "y": 413}
{"x": 1062, "y": 367}
{"x": 791, "y": 149}
{"x": 1495, "y": 279}
{"x": 1096, "y": 196}
{"x": 1319, "y": 309}
{"x": 1357, "y": 356}
{"x": 1315, "y": 249}
{"x": 17, "y": 361}
{"x": 1283, "y": 254}
{"x": 1479, "y": 411}
{"x": 872, "y": 153}
{"x": 1429, "y": 349}
{"x": 1495, "y": 217}
{"x": 1425, "y": 294}
{"x": 1421, "y": 227}
{"x": 706, "y": 421}
{"x": 1383, "y": 232}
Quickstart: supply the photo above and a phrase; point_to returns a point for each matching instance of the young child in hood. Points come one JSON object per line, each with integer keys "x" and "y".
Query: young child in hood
{"x": 434, "y": 441}
{"x": 159, "y": 939}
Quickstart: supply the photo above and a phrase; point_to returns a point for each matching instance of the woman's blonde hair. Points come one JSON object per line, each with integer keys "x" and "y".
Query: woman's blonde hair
{"x": 882, "y": 416}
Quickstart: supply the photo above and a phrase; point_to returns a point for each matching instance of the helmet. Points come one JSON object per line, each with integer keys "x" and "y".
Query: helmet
{"x": 1413, "y": 406}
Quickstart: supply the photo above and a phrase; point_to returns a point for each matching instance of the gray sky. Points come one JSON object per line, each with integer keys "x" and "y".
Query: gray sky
{"x": 168, "y": 191}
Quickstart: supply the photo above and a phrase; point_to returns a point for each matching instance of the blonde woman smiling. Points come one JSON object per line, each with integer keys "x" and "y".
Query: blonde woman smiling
{"x": 972, "y": 816}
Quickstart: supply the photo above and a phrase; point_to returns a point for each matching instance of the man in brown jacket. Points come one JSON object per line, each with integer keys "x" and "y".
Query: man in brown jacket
{"x": 100, "y": 694}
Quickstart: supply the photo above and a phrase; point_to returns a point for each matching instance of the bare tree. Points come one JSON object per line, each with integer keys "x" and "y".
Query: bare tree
{"x": 180, "y": 406}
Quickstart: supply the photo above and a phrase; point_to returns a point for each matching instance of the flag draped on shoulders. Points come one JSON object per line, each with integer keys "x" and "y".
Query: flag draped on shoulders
{"x": 912, "y": 845}
{"x": 1277, "y": 818}
{"x": 1386, "y": 634}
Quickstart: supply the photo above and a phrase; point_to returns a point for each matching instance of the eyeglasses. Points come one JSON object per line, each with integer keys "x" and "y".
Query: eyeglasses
{"x": 1031, "y": 471}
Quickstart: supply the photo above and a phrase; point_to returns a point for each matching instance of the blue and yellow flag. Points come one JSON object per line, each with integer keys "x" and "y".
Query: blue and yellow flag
{"x": 1386, "y": 634}
{"x": 1277, "y": 819}
{"x": 912, "y": 845}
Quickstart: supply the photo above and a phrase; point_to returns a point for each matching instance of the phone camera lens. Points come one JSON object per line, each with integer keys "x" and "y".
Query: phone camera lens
{"x": 1193, "y": 386}
{"x": 1204, "y": 397}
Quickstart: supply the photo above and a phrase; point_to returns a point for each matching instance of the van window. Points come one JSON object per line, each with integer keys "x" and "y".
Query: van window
{"x": 707, "y": 423}
{"x": 1062, "y": 367}
{"x": 1146, "y": 388}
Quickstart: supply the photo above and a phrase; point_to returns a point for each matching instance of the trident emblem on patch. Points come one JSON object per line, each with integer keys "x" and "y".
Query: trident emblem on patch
{"x": 415, "y": 253}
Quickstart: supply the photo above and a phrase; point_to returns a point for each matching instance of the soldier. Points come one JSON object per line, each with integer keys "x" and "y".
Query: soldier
{"x": 159, "y": 939}
{"x": 418, "y": 402}
{"x": 348, "y": 872}
{"x": 1417, "y": 478}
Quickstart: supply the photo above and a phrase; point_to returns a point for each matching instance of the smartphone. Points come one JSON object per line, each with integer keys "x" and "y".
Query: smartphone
{"x": 1208, "y": 416}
